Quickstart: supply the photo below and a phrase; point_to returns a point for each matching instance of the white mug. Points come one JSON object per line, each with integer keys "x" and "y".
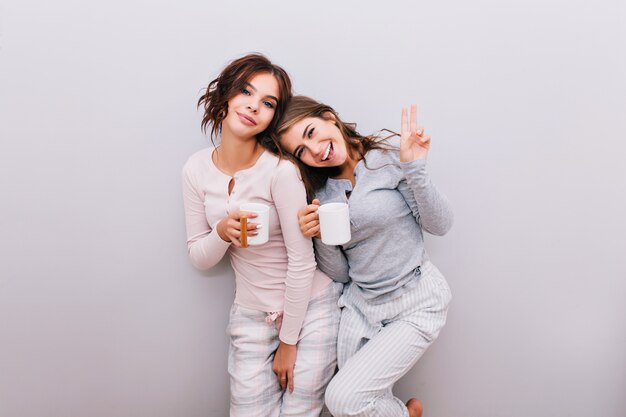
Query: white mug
{"x": 334, "y": 223}
{"x": 262, "y": 219}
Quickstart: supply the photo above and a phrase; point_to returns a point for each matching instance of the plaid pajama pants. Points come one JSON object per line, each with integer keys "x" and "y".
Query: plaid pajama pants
{"x": 379, "y": 343}
{"x": 254, "y": 388}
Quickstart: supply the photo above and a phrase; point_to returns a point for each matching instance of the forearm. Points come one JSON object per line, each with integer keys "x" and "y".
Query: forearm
{"x": 289, "y": 195}
{"x": 435, "y": 213}
{"x": 207, "y": 251}
{"x": 204, "y": 245}
{"x": 331, "y": 260}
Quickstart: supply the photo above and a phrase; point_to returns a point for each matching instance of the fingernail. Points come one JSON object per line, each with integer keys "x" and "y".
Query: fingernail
{"x": 259, "y": 226}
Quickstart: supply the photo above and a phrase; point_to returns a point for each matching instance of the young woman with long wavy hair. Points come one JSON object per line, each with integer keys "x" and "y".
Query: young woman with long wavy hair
{"x": 395, "y": 301}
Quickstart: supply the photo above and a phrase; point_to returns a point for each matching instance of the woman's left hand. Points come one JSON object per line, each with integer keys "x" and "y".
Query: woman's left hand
{"x": 284, "y": 362}
{"x": 414, "y": 144}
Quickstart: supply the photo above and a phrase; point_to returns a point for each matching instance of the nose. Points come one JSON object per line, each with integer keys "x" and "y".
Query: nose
{"x": 321, "y": 149}
{"x": 252, "y": 106}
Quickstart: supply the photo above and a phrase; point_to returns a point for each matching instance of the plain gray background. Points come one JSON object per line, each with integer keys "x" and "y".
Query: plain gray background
{"x": 101, "y": 313}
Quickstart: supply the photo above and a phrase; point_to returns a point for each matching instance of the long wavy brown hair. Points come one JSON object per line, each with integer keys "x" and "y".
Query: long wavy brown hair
{"x": 301, "y": 107}
{"x": 230, "y": 82}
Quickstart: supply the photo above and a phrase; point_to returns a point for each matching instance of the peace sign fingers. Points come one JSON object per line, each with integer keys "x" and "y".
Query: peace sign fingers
{"x": 413, "y": 143}
{"x": 413, "y": 118}
{"x": 404, "y": 123}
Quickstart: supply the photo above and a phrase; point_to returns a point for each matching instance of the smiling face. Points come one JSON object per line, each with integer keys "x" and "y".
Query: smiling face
{"x": 316, "y": 142}
{"x": 251, "y": 110}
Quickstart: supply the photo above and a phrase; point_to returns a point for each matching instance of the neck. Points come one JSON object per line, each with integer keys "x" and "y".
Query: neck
{"x": 346, "y": 170}
{"x": 236, "y": 153}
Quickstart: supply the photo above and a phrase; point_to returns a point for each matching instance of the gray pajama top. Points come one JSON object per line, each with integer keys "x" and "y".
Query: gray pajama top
{"x": 390, "y": 205}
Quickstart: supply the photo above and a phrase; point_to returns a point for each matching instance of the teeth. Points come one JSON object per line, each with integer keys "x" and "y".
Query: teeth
{"x": 326, "y": 153}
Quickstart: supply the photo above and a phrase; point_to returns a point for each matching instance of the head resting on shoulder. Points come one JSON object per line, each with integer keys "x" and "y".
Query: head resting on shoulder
{"x": 314, "y": 136}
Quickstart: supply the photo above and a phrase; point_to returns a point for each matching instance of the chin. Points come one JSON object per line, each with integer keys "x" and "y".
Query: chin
{"x": 338, "y": 160}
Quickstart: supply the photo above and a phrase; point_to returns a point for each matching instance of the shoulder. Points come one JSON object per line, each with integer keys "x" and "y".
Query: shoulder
{"x": 198, "y": 160}
{"x": 388, "y": 152}
{"x": 277, "y": 165}
{"x": 285, "y": 170}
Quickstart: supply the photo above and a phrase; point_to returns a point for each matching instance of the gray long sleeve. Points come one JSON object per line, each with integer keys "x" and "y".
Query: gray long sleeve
{"x": 390, "y": 205}
{"x": 331, "y": 260}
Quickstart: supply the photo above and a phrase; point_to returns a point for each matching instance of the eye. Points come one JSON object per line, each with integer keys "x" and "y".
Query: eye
{"x": 245, "y": 92}
{"x": 298, "y": 153}
{"x": 309, "y": 135}
{"x": 268, "y": 104}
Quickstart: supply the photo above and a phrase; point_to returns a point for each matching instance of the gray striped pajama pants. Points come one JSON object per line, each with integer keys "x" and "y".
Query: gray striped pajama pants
{"x": 254, "y": 388}
{"x": 379, "y": 343}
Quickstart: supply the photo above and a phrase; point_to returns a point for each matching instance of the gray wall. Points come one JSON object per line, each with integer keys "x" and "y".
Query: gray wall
{"x": 101, "y": 313}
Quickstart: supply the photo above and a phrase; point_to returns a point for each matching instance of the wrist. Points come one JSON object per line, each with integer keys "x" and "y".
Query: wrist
{"x": 286, "y": 346}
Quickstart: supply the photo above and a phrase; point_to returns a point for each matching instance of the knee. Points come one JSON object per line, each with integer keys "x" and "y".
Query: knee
{"x": 340, "y": 399}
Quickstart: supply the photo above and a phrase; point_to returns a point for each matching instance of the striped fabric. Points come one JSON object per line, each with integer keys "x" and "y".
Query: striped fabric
{"x": 254, "y": 388}
{"x": 379, "y": 343}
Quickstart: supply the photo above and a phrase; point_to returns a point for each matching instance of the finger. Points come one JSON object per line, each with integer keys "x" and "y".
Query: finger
{"x": 282, "y": 380}
{"x": 244, "y": 231}
{"x": 404, "y": 124}
{"x": 312, "y": 208}
{"x": 315, "y": 201}
{"x": 414, "y": 118}
{"x": 234, "y": 224}
{"x": 305, "y": 211}
{"x": 254, "y": 226}
{"x": 311, "y": 224}
{"x": 419, "y": 130}
{"x": 234, "y": 236}
{"x": 290, "y": 379}
{"x": 310, "y": 217}
{"x": 305, "y": 220}
{"x": 237, "y": 215}
{"x": 426, "y": 139}
{"x": 248, "y": 214}
{"x": 313, "y": 231}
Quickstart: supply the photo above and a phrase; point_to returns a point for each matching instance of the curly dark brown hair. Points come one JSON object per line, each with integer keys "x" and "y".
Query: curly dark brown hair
{"x": 231, "y": 81}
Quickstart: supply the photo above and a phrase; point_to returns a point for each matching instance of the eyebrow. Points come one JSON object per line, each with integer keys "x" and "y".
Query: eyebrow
{"x": 305, "y": 129}
{"x": 268, "y": 96}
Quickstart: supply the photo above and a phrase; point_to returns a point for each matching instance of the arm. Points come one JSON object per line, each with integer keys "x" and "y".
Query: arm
{"x": 289, "y": 195}
{"x": 430, "y": 208}
{"x": 330, "y": 259}
{"x": 204, "y": 245}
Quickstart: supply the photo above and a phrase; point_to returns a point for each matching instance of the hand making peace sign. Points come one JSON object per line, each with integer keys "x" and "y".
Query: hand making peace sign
{"x": 414, "y": 143}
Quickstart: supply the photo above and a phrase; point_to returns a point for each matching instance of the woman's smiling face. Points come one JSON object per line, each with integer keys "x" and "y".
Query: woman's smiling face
{"x": 316, "y": 142}
{"x": 252, "y": 109}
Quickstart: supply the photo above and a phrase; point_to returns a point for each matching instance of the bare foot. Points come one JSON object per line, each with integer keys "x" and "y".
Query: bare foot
{"x": 415, "y": 407}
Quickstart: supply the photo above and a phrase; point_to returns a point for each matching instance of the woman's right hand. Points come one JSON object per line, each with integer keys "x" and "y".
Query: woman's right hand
{"x": 308, "y": 219}
{"x": 229, "y": 228}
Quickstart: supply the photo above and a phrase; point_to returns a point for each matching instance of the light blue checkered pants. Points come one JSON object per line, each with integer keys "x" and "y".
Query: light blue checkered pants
{"x": 254, "y": 388}
{"x": 379, "y": 343}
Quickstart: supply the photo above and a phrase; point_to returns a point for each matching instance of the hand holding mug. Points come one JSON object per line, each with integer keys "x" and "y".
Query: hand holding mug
{"x": 308, "y": 219}
{"x": 229, "y": 228}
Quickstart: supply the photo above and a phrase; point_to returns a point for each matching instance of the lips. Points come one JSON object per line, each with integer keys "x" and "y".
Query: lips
{"x": 329, "y": 153}
{"x": 246, "y": 120}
